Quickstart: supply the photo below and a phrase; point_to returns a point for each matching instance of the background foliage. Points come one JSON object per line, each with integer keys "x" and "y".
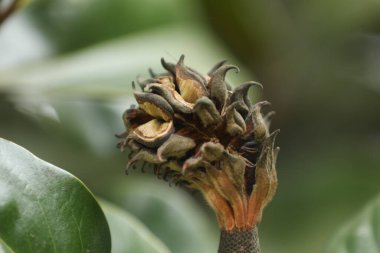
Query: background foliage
{"x": 65, "y": 74}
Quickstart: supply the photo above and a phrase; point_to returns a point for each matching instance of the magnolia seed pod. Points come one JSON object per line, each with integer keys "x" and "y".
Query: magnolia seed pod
{"x": 153, "y": 133}
{"x": 154, "y": 105}
{"x": 175, "y": 147}
{"x": 173, "y": 97}
{"x": 218, "y": 86}
{"x": 191, "y": 87}
{"x": 206, "y": 111}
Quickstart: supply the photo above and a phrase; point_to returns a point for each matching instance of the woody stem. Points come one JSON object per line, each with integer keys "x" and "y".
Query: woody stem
{"x": 239, "y": 241}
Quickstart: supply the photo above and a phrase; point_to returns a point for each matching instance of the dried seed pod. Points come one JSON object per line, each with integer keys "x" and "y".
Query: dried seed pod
{"x": 173, "y": 97}
{"x": 198, "y": 132}
{"x": 153, "y": 133}
{"x": 206, "y": 111}
{"x": 218, "y": 86}
{"x": 175, "y": 147}
{"x": 190, "y": 85}
{"x": 154, "y": 105}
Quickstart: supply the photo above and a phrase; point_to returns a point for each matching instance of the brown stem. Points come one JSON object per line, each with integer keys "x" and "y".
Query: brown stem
{"x": 239, "y": 241}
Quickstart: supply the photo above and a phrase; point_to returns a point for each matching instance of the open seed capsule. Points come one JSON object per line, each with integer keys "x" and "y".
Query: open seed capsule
{"x": 153, "y": 133}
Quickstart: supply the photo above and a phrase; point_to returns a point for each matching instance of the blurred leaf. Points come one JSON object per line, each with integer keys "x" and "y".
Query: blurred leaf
{"x": 72, "y": 25}
{"x": 4, "y": 248}
{"x": 128, "y": 234}
{"x": 88, "y": 91}
{"x": 45, "y": 209}
{"x": 169, "y": 212}
{"x": 361, "y": 234}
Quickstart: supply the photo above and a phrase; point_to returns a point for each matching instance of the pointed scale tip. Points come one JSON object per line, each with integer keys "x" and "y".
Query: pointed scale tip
{"x": 222, "y": 70}
{"x": 216, "y": 66}
{"x": 181, "y": 60}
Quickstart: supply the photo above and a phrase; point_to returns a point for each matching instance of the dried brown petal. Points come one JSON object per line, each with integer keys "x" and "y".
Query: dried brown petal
{"x": 234, "y": 166}
{"x": 153, "y": 133}
{"x": 175, "y": 147}
{"x": 190, "y": 85}
{"x": 266, "y": 180}
{"x": 154, "y": 105}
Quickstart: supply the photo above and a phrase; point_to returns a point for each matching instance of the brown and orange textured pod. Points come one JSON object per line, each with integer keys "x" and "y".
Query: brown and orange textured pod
{"x": 197, "y": 131}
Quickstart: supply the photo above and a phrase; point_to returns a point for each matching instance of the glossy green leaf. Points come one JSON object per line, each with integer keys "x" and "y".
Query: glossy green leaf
{"x": 129, "y": 234}
{"x": 45, "y": 209}
{"x": 361, "y": 235}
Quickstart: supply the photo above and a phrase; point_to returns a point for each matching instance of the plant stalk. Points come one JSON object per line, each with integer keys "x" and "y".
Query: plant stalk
{"x": 239, "y": 241}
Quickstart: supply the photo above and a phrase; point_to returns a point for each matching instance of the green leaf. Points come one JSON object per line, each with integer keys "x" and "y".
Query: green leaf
{"x": 96, "y": 82}
{"x": 45, "y": 209}
{"x": 362, "y": 235}
{"x": 129, "y": 234}
{"x": 169, "y": 212}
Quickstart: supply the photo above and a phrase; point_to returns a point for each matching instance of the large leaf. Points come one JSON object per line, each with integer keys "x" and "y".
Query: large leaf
{"x": 129, "y": 234}
{"x": 361, "y": 235}
{"x": 45, "y": 209}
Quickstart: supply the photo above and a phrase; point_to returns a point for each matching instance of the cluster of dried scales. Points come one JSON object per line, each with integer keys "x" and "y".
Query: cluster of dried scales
{"x": 196, "y": 130}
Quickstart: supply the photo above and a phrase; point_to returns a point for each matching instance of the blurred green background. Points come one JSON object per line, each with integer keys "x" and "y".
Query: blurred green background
{"x": 65, "y": 73}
